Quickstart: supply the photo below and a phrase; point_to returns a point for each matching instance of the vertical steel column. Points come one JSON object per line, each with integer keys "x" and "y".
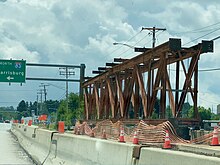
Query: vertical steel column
{"x": 191, "y": 69}
{"x": 152, "y": 58}
{"x": 86, "y": 105}
{"x": 107, "y": 104}
{"x": 128, "y": 92}
{"x": 196, "y": 114}
{"x": 177, "y": 86}
{"x": 82, "y": 79}
{"x": 149, "y": 88}
{"x": 163, "y": 90}
{"x": 136, "y": 99}
{"x": 125, "y": 93}
{"x": 90, "y": 101}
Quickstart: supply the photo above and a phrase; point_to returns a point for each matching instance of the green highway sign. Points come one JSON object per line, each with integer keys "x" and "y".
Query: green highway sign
{"x": 12, "y": 71}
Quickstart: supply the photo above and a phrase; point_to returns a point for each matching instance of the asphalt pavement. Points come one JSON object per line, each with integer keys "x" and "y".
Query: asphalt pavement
{"x": 10, "y": 151}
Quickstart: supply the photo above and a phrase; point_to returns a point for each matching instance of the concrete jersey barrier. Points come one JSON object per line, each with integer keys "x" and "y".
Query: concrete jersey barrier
{"x": 49, "y": 147}
{"x": 157, "y": 156}
{"x": 36, "y": 142}
{"x": 84, "y": 150}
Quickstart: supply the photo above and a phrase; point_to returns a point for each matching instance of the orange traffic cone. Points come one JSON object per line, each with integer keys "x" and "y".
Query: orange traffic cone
{"x": 215, "y": 137}
{"x": 29, "y": 122}
{"x": 75, "y": 130}
{"x": 167, "y": 141}
{"x": 104, "y": 135}
{"x": 135, "y": 140}
{"x": 92, "y": 134}
{"x": 121, "y": 137}
{"x": 78, "y": 131}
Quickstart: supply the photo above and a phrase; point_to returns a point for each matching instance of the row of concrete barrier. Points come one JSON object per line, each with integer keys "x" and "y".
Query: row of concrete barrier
{"x": 198, "y": 133}
{"x": 50, "y": 147}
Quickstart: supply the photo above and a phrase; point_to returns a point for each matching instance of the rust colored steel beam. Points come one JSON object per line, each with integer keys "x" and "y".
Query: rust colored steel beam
{"x": 142, "y": 58}
{"x": 146, "y": 56}
{"x": 131, "y": 121}
{"x": 125, "y": 83}
{"x": 119, "y": 60}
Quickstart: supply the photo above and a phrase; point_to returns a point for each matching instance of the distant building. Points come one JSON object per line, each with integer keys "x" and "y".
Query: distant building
{"x": 218, "y": 109}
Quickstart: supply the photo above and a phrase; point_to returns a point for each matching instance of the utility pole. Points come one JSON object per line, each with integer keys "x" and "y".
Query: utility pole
{"x": 41, "y": 99}
{"x": 37, "y": 113}
{"x": 153, "y": 30}
{"x": 67, "y": 71}
{"x": 44, "y": 90}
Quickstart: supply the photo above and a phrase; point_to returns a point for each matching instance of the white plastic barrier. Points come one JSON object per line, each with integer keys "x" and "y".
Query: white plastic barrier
{"x": 157, "y": 156}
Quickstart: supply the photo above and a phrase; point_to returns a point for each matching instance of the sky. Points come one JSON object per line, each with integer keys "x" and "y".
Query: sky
{"x": 78, "y": 32}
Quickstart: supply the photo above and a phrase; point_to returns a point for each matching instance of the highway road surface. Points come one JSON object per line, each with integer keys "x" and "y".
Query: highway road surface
{"x": 10, "y": 151}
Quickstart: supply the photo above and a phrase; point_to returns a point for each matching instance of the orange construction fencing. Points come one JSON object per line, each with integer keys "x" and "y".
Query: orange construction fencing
{"x": 144, "y": 132}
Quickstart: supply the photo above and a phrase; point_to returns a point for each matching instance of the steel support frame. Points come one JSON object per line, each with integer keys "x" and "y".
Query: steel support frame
{"x": 124, "y": 88}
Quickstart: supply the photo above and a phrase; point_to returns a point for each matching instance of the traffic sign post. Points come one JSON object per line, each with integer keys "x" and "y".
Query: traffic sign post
{"x": 12, "y": 71}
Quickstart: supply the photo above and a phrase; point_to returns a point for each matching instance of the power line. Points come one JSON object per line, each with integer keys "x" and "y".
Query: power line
{"x": 153, "y": 31}
{"x": 7, "y": 102}
{"x": 59, "y": 87}
{"x": 202, "y": 70}
{"x": 139, "y": 42}
{"x": 125, "y": 42}
{"x": 216, "y": 38}
{"x": 62, "y": 96}
{"x": 28, "y": 90}
{"x": 213, "y": 30}
{"x": 134, "y": 45}
{"x": 134, "y": 36}
{"x": 159, "y": 35}
{"x": 200, "y": 31}
{"x": 44, "y": 90}
{"x": 208, "y": 101}
{"x": 209, "y": 70}
{"x": 197, "y": 30}
{"x": 143, "y": 38}
{"x": 202, "y": 36}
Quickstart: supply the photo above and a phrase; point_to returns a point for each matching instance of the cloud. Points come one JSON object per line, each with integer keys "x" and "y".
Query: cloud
{"x": 55, "y": 31}
{"x": 59, "y": 28}
{"x": 15, "y": 50}
{"x": 75, "y": 32}
{"x": 184, "y": 15}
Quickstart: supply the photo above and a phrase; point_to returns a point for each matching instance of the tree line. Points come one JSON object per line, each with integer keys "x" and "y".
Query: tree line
{"x": 56, "y": 110}
{"x": 72, "y": 109}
